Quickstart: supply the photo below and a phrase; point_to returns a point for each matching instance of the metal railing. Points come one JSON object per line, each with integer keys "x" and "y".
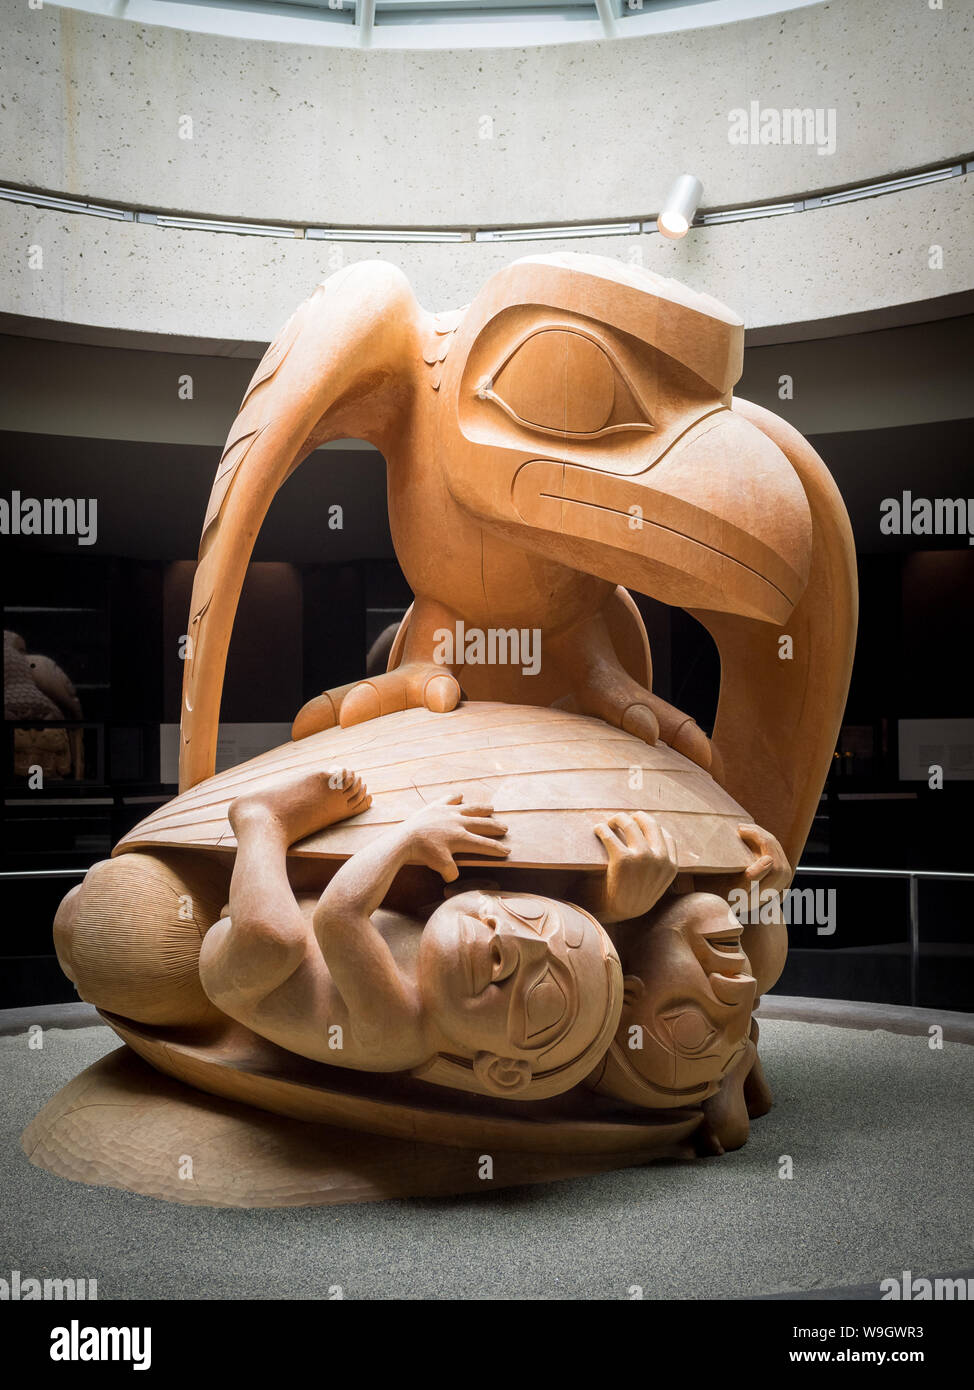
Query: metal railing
{"x": 43, "y": 873}
{"x": 913, "y": 875}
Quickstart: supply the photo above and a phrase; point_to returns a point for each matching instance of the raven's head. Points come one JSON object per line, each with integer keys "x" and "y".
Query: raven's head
{"x": 584, "y": 413}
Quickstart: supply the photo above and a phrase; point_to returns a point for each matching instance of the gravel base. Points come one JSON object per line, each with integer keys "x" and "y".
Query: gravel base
{"x": 877, "y": 1127}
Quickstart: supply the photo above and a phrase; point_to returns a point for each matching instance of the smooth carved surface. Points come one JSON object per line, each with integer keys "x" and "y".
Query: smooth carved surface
{"x": 448, "y": 912}
{"x": 537, "y": 384}
{"x": 120, "y": 1124}
{"x": 551, "y": 775}
{"x": 248, "y": 1068}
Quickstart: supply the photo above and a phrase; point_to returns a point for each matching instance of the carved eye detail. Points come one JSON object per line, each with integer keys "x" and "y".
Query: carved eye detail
{"x": 545, "y": 1005}
{"x": 562, "y": 382}
{"x": 690, "y": 1030}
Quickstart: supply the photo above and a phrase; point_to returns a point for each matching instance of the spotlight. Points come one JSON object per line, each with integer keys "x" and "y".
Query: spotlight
{"x": 681, "y": 205}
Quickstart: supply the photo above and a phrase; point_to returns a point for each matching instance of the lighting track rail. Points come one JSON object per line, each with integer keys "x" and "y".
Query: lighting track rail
{"x": 563, "y": 232}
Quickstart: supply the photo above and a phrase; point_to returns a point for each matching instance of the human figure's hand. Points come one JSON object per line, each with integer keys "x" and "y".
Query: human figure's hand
{"x": 769, "y": 867}
{"x": 446, "y": 828}
{"x": 642, "y": 864}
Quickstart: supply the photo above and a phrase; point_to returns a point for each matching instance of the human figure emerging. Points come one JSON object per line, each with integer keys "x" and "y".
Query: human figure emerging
{"x": 506, "y": 994}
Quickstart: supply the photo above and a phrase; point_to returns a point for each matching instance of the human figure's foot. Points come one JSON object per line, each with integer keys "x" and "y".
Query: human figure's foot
{"x": 301, "y": 804}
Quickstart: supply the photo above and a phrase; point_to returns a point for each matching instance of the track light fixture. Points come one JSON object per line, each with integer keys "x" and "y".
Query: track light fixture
{"x": 681, "y": 205}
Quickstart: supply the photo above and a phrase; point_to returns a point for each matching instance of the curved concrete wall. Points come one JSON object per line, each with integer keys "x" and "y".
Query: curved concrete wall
{"x": 378, "y": 137}
{"x": 810, "y": 266}
{"x": 862, "y": 381}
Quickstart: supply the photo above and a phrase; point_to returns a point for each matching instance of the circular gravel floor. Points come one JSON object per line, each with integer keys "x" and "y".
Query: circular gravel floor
{"x": 877, "y": 1127}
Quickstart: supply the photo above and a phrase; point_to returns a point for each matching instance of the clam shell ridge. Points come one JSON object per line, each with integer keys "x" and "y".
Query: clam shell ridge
{"x": 550, "y": 775}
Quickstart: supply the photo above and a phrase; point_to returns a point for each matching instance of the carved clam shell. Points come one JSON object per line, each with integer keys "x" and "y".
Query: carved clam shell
{"x": 551, "y": 776}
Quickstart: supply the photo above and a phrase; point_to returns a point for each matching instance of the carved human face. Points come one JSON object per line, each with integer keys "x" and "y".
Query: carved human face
{"x": 688, "y": 998}
{"x": 519, "y": 976}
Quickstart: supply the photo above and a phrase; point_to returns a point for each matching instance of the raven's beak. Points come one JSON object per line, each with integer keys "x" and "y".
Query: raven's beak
{"x": 716, "y": 518}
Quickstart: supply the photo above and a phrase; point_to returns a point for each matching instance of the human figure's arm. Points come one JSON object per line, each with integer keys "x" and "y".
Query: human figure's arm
{"x": 361, "y": 966}
{"x": 641, "y": 865}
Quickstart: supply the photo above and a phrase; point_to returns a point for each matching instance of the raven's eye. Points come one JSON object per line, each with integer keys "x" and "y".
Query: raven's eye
{"x": 563, "y": 382}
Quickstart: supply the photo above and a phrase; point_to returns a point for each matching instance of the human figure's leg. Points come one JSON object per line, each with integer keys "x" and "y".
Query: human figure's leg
{"x": 265, "y": 936}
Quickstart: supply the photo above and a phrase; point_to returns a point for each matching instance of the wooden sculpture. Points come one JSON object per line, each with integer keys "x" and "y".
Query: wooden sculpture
{"x": 35, "y": 689}
{"x": 483, "y": 899}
